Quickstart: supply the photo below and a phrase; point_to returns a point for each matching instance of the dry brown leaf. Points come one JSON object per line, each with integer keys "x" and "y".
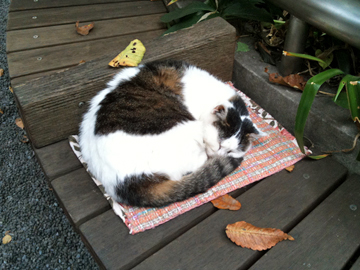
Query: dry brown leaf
{"x": 85, "y": 29}
{"x": 290, "y": 168}
{"x": 82, "y": 62}
{"x": 7, "y": 238}
{"x": 19, "y": 123}
{"x": 1, "y": 111}
{"x": 11, "y": 90}
{"x": 226, "y": 202}
{"x": 293, "y": 80}
{"x": 246, "y": 235}
{"x": 1, "y": 72}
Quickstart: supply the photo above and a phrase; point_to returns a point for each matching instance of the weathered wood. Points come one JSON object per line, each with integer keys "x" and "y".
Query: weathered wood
{"x": 26, "y": 78}
{"x": 325, "y": 239}
{"x": 57, "y": 159}
{"x": 32, "y": 38}
{"x": 356, "y": 265}
{"x": 65, "y": 15}
{"x": 50, "y": 104}
{"x": 17, "y": 5}
{"x": 80, "y": 198}
{"x": 62, "y": 56}
{"x": 114, "y": 248}
{"x": 108, "y": 239}
{"x": 280, "y": 201}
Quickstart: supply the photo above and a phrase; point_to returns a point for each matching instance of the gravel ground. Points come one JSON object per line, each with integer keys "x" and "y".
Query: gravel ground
{"x": 42, "y": 237}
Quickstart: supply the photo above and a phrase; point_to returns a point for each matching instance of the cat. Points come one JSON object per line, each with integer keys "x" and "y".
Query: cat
{"x": 163, "y": 132}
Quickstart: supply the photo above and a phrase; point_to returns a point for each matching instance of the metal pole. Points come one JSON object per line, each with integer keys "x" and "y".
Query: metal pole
{"x": 339, "y": 18}
{"x": 295, "y": 41}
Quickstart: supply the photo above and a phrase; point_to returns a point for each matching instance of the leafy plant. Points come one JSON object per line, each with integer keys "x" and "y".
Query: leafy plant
{"x": 350, "y": 100}
{"x": 227, "y": 9}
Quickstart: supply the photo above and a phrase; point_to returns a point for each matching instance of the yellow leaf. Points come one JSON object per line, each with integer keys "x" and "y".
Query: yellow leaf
{"x": 290, "y": 168}
{"x": 246, "y": 235}
{"x": 19, "y": 123}
{"x": 7, "y": 238}
{"x": 171, "y": 2}
{"x": 1, "y": 111}
{"x": 11, "y": 90}
{"x": 131, "y": 56}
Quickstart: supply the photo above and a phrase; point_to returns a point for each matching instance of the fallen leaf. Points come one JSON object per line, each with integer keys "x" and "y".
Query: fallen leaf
{"x": 19, "y": 123}
{"x": 1, "y": 72}
{"x": 293, "y": 80}
{"x": 25, "y": 139}
{"x": 7, "y": 238}
{"x": 246, "y": 235}
{"x": 242, "y": 47}
{"x": 131, "y": 56}
{"x": 11, "y": 90}
{"x": 226, "y": 202}
{"x": 82, "y": 62}
{"x": 290, "y": 168}
{"x": 1, "y": 111}
{"x": 85, "y": 29}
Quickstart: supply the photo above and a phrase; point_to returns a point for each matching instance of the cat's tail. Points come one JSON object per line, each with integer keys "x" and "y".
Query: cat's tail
{"x": 157, "y": 190}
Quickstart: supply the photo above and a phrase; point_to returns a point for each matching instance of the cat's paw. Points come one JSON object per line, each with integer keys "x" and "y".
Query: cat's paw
{"x": 212, "y": 149}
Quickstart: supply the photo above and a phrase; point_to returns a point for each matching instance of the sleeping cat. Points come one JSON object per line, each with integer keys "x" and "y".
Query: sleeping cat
{"x": 163, "y": 132}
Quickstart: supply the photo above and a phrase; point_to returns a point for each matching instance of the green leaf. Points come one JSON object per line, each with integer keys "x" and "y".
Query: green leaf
{"x": 245, "y": 9}
{"x": 341, "y": 87}
{"x": 184, "y": 24}
{"x": 319, "y": 156}
{"x": 182, "y": 12}
{"x": 342, "y": 100}
{"x": 327, "y": 60}
{"x": 353, "y": 94}
{"x": 305, "y": 56}
{"x": 311, "y": 88}
{"x": 242, "y": 47}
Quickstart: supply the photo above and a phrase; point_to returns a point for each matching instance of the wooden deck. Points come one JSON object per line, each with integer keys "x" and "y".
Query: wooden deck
{"x": 318, "y": 203}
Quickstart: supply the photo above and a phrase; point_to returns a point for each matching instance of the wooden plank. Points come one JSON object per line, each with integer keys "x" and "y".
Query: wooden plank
{"x": 109, "y": 241}
{"x": 356, "y": 265}
{"x": 57, "y": 159}
{"x": 280, "y": 201}
{"x": 115, "y": 248}
{"x": 36, "y": 76}
{"x": 327, "y": 238}
{"x": 62, "y": 56}
{"x": 18, "y": 5}
{"x": 32, "y": 38}
{"x": 50, "y": 104}
{"x": 80, "y": 198}
{"x": 65, "y": 15}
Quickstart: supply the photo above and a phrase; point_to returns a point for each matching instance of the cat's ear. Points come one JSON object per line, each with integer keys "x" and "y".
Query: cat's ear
{"x": 220, "y": 111}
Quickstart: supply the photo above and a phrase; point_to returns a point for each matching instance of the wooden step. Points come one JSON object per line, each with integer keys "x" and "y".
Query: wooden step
{"x": 326, "y": 238}
{"x": 51, "y": 106}
{"x": 280, "y": 200}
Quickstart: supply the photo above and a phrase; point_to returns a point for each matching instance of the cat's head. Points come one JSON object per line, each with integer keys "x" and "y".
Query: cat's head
{"x": 236, "y": 130}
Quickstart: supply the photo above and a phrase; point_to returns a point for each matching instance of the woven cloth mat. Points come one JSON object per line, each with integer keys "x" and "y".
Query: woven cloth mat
{"x": 268, "y": 155}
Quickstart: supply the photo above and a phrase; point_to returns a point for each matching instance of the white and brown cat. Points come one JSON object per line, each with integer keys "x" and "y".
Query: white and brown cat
{"x": 163, "y": 132}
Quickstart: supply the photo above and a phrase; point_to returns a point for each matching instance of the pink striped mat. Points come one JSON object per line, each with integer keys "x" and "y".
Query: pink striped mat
{"x": 269, "y": 155}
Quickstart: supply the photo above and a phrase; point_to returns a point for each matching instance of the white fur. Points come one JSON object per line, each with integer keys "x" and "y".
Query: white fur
{"x": 176, "y": 152}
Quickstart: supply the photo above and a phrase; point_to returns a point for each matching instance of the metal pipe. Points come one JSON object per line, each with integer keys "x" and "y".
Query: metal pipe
{"x": 339, "y": 18}
{"x": 295, "y": 41}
